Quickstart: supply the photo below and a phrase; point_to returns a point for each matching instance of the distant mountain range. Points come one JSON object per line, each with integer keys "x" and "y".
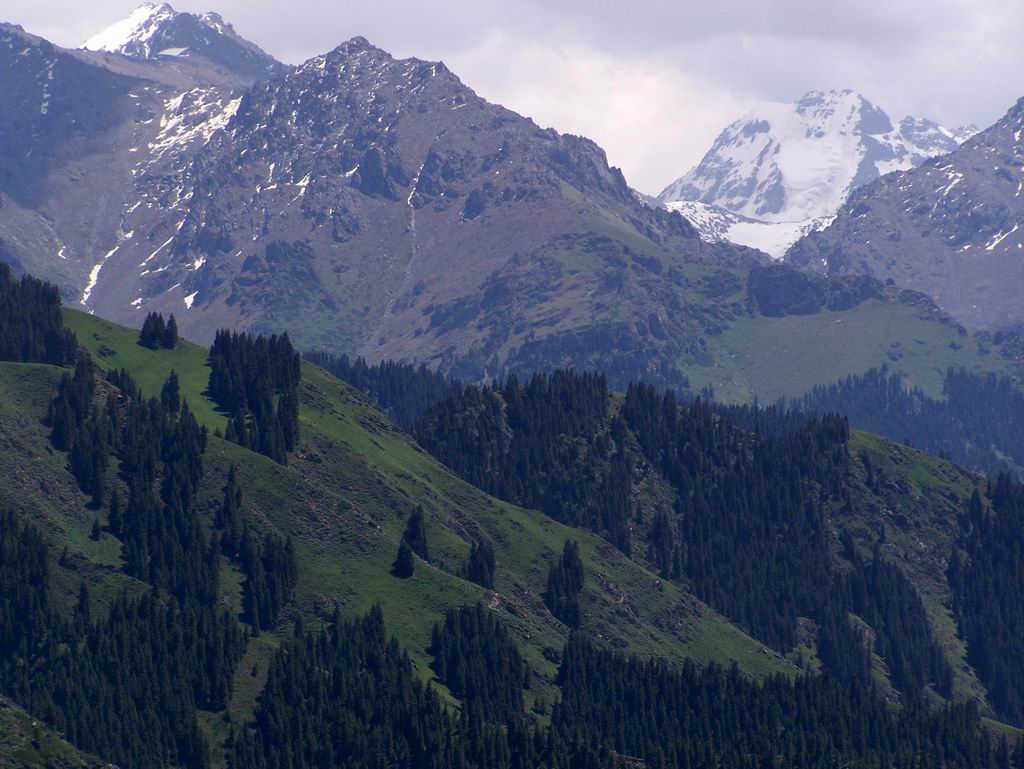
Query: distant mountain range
{"x": 950, "y": 229}
{"x": 783, "y": 170}
{"x": 378, "y": 206}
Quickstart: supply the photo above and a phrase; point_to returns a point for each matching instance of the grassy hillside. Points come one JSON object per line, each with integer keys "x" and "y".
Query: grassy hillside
{"x": 344, "y": 498}
{"x": 27, "y": 744}
{"x": 771, "y": 358}
{"x": 347, "y": 491}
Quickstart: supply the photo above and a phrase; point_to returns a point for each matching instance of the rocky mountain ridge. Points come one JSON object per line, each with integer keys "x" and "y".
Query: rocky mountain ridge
{"x": 949, "y": 229}
{"x": 785, "y": 169}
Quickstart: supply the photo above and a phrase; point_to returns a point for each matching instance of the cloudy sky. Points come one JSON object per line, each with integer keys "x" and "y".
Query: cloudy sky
{"x": 652, "y": 81}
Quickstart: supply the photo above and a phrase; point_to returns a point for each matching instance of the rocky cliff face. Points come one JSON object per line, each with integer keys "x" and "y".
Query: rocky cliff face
{"x": 950, "y": 229}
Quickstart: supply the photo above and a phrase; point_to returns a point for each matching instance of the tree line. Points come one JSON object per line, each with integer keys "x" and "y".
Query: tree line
{"x": 31, "y": 327}
{"x": 255, "y": 380}
{"x": 978, "y": 424}
{"x": 403, "y": 391}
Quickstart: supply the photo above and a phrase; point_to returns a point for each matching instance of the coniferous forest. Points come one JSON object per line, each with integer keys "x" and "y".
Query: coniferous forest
{"x": 402, "y": 391}
{"x": 978, "y": 423}
{"x": 255, "y": 381}
{"x": 136, "y": 675}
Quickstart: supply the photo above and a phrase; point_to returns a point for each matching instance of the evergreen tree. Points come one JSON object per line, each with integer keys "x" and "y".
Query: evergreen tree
{"x": 401, "y": 390}
{"x": 170, "y": 336}
{"x": 31, "y": 327}
{"x": 565, "y": 581}
{"x": 170, "y": 394}
{"x": 482, "y": 564}
{"x": 405, "y": 562}
{"x": 255, "y": 380}
{"x": 415, "y": 534}
{"x": 477, "y": 660}
{"x": 153, "y": 331}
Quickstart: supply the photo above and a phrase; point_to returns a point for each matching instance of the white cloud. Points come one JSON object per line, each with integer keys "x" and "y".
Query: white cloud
{"x": 648, "y": 116}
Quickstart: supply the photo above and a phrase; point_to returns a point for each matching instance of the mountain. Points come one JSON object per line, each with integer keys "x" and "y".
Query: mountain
{"x": 386, "y": 196}
{"x": 948, "y": 229}
{"x": 377, "y": 206}
{"x": 785, "y": 169}
{"x": 156, "y": 30}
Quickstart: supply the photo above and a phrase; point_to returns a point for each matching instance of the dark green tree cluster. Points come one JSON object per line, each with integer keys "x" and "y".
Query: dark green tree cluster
{"x": 979, "y": 424}
{"x": 413, "y": 543}
{"x": 475, "y": 657}
{"x": 127, "y": 685}
{"x": 255, "y": 380}
{"x": 157, "y": 333}
{"x": 878, "y": 593}
{"x": 401, "y": 390}
{"x": 83, "y": 429}
{"x": 415, "y": 534}
{"x": 565, "y": 581}
{"x": 482, "y": 564}
{"x": 753, "y": 488}
{"x": 161, "y": 465}
{"x": 545, "y": 443}
{"x": 713, "y": 717}
{"x": 986, "y": 574}
{"x": 751, "y": 529}
{"x": 349, "y": 697}
{"x": 31, "y": 327}
{"x": 270, "y": 575}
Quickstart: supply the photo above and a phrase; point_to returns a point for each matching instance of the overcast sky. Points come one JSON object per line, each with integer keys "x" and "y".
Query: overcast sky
{"x": 653, "y": 82}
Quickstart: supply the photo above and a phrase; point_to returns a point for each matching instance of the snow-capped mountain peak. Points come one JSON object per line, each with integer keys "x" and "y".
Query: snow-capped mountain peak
{"x": 157, "y": 31}
{"x": 135, "y": 34}
{"x": 790, "y": 166}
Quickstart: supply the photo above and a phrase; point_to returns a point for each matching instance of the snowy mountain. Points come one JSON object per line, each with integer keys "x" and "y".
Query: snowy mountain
{"x": 785, "y": 169}
{"x": 952, "y": 228}
{"x": 156, "y": 30}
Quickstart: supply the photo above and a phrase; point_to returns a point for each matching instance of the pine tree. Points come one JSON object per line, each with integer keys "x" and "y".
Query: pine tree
{"x": 170, "y": 336}
{"x": 405, "y": 561}
{"x": 416, "y": 534}
{"x": 481, "y": 566}
{"x": 170, "y": 395}
{"x": 153, "y": 331}
{"x": 565, "y": 581}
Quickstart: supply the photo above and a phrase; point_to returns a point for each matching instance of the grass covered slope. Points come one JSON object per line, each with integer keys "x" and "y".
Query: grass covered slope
{"x": 344, "y": 498}
{"x": 782, "y": 357}
{"x": 27, "y": 744}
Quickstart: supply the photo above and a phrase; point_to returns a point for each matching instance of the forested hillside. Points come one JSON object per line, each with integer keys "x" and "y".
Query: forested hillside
{"x": 170, "y": 597}
{"x": 978, "y": 423}
{"x": 783, "y": 521}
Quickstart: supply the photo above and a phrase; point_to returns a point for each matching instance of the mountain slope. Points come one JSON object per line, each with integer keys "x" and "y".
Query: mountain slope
{"x": 388, "y": 197}
{"x": 155, "y": 30}
{"x": 27, "y": 744}
{"x": 948, "y": 229}
{"x": 345, "y": 497}
{"x": 787, "y": 168}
